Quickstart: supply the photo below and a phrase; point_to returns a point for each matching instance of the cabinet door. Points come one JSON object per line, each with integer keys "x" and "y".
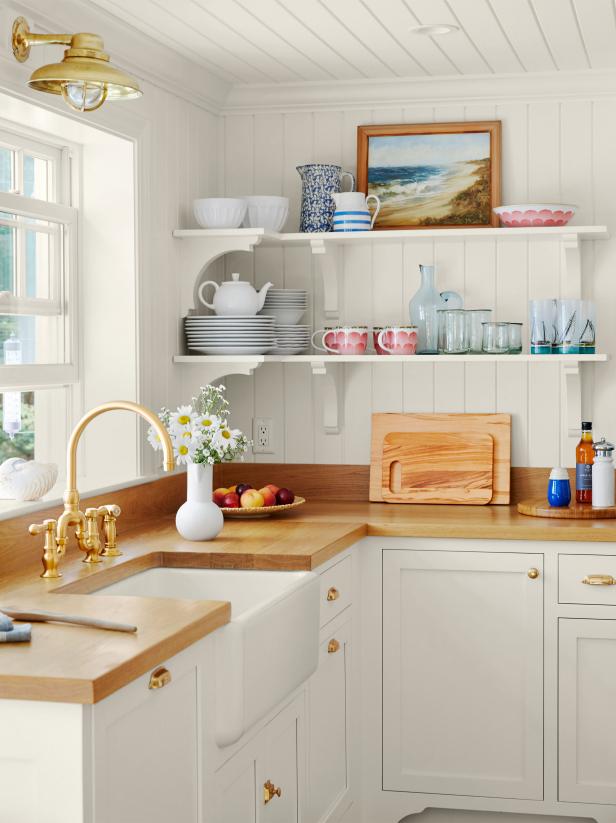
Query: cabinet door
{"x": 328, "y": 725}
{"x": 587, "y": 721}
{"x": 279, "y": 764}
{"x": 235, "y": 792}
{"x": 462, "y": 673}
{"x": 145, "y": 750}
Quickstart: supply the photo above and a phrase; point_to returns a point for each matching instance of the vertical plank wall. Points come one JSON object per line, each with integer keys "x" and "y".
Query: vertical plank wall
{"x": 553, "y": 151}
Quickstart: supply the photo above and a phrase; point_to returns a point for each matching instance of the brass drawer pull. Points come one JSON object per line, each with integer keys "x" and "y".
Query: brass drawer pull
{"x": 270, "y": 791}
{"x": 533, "y": 573}
{"x": 599, "y": 580}
{"x": 333, "y": 646}
{"x": 332, "y": 594}
{"x": 159, "y": 678}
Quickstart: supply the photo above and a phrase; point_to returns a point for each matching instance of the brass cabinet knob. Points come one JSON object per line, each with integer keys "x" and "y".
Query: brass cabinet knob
{"x": 160, "y": 677}
{"x": 333, "y": 594}
{"x": 333, "y": 646}
{"x": 599, "y": 580}
{"x": 533, "y": 573}
{"x": 270, "y": 791}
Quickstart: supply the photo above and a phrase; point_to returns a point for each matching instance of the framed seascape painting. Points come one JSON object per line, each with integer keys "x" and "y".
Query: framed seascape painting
{"x": 431, "y": 175}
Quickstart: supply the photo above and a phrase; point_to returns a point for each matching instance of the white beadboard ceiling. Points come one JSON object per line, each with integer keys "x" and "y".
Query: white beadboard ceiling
{"x": 282, "y": 41}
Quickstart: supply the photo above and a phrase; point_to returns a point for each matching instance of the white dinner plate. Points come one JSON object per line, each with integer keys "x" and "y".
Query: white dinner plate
{"x": 231, "y": 349}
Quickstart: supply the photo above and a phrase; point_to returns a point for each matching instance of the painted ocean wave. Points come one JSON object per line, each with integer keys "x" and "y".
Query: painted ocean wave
{"x": 410, "y": 183}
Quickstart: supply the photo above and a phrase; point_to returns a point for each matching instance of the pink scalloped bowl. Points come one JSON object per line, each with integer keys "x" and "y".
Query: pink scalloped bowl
{"x": 535, "y": 214}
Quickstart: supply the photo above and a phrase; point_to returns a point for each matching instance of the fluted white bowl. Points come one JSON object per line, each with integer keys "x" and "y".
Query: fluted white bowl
{"x": 266, "y": 212}
{"x": 220, "y": 212}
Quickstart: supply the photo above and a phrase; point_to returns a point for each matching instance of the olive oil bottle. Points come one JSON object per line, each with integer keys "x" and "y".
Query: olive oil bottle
{"x": 584, "y": 458}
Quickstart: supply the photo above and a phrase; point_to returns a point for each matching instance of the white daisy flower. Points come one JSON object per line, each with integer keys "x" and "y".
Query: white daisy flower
{"x": 184, "y": 450}
{"x": 226, "y": 438}
{"x": 154, "y": 439}
{"x": 208, "y": 422}
{"x": 183, "y": 417}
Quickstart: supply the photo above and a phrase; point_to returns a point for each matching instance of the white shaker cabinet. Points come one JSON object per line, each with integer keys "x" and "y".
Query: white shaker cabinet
{"x": 145, "y": 748}
{"x": 462, "y": 673}
{"x": 329, "y": 719}
{"x": 587, "y": 715}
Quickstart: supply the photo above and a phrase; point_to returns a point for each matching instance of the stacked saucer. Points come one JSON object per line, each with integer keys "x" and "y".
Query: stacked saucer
{"x": 230, "y": 334}
{"x": 287, "y": 306}
{"x": 291, "y": 339}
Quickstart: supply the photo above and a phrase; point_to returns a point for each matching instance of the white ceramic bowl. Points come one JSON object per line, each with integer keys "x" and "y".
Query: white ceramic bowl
{"x": 285, "y": 317}
{"x": 266, "y": 212}
{"x": 220, "y": 212}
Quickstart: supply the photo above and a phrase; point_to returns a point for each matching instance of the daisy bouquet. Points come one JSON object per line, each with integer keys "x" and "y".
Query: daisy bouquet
{"x": 200, "y": 432}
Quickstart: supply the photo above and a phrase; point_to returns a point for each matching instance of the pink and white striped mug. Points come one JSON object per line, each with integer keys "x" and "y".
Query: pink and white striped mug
{"x": 342, "y": 339}
{"x": 396, "y": 340}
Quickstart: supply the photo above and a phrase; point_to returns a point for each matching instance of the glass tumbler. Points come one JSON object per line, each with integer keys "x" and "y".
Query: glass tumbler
{"x": 568, "y": 328}
{"x": 495, "y": 338}
{"x": 474, "y": 328}
{"x": 452, "y": 338}
{"x": 586, "y": 339}
{"x": 515, "y": 338}
{"x": 542, "y": 326}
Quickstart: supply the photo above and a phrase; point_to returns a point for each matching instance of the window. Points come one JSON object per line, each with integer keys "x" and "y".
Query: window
{"x": 37, "y": 253}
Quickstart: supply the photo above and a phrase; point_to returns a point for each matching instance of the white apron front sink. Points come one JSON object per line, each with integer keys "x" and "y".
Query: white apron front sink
{"x": 269, "y": 648}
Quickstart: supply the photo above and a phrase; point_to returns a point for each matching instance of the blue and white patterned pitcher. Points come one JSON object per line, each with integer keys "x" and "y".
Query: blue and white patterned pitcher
{"x": 319, "y": 182}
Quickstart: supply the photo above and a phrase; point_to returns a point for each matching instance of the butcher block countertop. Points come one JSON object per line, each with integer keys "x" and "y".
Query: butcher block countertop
{"x": 84, "y": 665}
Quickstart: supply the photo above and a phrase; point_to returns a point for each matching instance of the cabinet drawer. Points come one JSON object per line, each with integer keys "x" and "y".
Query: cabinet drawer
{"x": 575, "y": 568}
{"x": 335, "y": 589}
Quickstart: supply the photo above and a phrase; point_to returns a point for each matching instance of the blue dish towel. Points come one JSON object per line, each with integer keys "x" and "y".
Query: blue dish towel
{"x": 9, "y": 633}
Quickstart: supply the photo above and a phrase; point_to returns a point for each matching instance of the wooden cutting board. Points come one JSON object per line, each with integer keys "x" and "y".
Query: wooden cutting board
{"x": 440, "y": 458}
{"x": 575, "y": 511}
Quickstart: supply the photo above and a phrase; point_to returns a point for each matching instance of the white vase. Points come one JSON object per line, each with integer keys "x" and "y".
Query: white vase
{"x": 199, "y": 518}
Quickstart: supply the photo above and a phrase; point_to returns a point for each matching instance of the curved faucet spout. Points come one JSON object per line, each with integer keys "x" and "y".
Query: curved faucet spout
{"x": 71, "y": 496}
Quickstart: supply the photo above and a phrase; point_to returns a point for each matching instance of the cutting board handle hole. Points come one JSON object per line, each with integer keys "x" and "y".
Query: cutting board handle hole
{"x": 395, "y": 476}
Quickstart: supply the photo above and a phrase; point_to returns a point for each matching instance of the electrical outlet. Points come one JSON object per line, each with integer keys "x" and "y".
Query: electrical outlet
{"x": 262, "y": 435}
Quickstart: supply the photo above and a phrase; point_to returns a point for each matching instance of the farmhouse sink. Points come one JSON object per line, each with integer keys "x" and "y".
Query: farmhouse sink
{"x": 267, "y": 650}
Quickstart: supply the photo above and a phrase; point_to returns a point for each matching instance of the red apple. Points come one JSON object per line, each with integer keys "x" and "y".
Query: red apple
{"x": 242, "y": 487}
{"x": 219, "y": 495}
{"x": 274, "y": 489}
{"x": 231, "y": 501}
{"x": 268, "y": 495}
{"x": 251, "y": 499}
{"x": 284, "y": 497}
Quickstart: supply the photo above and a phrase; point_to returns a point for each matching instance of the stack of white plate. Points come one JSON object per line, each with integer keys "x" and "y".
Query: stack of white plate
{"x": 287, "y": 306}
{"x": 291, "y": 339}
{"x": 231, "y": 334}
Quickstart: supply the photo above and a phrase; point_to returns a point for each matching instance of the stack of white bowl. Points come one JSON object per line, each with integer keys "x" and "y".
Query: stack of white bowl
{"x": 230, "y": 334}
{"x": 287, "y": 307}
{"x": 255, "y": 211}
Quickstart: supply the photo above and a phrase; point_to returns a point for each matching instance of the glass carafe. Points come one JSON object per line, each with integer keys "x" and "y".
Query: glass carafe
{"x": 423, "y": 310}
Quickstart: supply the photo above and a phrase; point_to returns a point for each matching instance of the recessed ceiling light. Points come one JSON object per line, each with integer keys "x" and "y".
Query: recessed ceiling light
{"x": 431, "y": 29}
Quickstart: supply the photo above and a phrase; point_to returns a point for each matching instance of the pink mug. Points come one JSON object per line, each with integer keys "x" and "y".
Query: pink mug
{"x": 396, "y": 340}
{"x": 342, "y": 339}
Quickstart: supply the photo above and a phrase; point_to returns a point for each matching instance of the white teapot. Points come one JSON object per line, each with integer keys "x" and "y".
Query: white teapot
{"x": 234, "y": 296}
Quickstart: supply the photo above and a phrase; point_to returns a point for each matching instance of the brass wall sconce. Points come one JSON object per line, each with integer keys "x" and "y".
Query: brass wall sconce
{"x": 85, "y": 78}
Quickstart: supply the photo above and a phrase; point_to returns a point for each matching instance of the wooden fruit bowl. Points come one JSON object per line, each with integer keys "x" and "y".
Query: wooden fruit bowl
{"x": 263, "y": 511}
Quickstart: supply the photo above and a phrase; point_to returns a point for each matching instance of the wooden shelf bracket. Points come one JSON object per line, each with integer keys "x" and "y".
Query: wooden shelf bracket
{"x": 331, "y": 384}
{"x": 328, "y": 260}
{"x": 572, "y": 258}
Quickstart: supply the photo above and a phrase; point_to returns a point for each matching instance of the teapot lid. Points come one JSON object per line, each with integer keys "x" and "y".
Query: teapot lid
{"x": 235, "y": 278}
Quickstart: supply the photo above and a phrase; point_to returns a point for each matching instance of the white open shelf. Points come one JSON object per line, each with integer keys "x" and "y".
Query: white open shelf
{"x": 327, "y": 366}
{"x": 208, "y": 244}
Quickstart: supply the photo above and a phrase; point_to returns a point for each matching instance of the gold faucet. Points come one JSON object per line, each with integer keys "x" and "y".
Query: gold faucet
{"x": 86, "y": 523}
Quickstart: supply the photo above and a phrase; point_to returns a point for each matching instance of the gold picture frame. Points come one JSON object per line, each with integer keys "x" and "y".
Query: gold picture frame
{"x": 426, "y": 178}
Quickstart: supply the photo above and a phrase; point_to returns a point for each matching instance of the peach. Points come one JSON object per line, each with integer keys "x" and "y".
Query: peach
{"x": 268, "y": 495}
{"x": 219, "y": 495}
{"x": 274, "y": 489}
{"x": 233, "y": 488}
{"x": 252, "y": 499}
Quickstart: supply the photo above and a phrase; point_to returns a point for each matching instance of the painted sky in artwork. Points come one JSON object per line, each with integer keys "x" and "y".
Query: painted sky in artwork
{"x": 427, "y": 149}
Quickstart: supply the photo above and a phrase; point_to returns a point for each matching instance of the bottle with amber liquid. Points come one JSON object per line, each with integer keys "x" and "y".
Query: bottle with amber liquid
{"x": 584, "y": 457}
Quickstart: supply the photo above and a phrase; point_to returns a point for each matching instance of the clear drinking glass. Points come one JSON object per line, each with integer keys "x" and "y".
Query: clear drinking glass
{"x": 474, "y": 328}
{"x": 586, "y": 338}
{"x": 568, "y": 327}
{"x": 495, "y": 338}
{"x": 515, "y": 338}
{"x": 452, "y": 338}
{"x": 542, "y": 326}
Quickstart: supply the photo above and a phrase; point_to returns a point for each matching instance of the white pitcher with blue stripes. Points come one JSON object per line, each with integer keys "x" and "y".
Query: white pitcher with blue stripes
{"x": 352, "y": 212}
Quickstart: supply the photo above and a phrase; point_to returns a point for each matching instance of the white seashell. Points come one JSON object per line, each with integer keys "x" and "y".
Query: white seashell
{"x": 26, "y": 479}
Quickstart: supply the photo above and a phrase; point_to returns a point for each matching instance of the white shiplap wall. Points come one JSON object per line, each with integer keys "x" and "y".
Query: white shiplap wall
{"x": 554, "y": 150}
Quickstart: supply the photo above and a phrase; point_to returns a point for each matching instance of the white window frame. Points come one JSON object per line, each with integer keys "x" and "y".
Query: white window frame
{"x": 63, "y": 298}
